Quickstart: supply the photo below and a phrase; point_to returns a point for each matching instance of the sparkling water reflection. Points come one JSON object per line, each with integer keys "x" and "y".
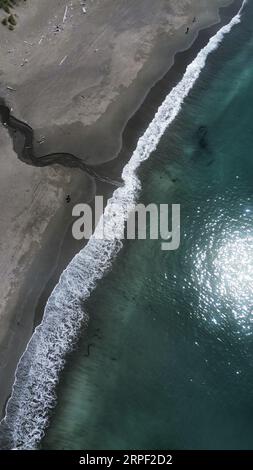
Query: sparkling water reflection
{"x": 222, "y": 264}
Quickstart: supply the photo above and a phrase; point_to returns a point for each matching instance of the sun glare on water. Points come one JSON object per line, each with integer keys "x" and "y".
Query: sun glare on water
{"x": 222, "y": 268}
{"x": 233, "y": 269}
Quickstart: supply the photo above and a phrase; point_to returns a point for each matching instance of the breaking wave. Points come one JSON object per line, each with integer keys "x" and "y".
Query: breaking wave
{"x": 37, "y": 374}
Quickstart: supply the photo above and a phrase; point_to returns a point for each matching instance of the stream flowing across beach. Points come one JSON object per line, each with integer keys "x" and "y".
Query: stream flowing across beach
{"x": 166, "y": 361}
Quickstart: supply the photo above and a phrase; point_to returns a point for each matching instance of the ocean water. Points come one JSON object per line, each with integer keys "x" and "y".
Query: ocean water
{"x": 167, "y": 360}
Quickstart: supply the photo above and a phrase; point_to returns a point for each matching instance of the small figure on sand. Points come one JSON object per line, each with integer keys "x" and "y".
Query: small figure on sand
{"x": 194, "y": 19}
{"x": 68, "y": 198}
{"x": 187, "y": 31}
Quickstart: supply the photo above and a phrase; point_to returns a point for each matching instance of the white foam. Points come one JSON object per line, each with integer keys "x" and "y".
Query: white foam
{"x": 33, "y": 393}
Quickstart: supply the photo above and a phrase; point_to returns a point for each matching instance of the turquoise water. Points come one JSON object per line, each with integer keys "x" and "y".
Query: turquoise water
{"x": 170, "y": 342}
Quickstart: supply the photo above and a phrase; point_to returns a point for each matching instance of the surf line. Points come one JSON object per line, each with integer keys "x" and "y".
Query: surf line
{"x": 37, "y": 374}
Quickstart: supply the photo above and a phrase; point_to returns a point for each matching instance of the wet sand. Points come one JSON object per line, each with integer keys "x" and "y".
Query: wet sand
{"x": 114, "y": 56}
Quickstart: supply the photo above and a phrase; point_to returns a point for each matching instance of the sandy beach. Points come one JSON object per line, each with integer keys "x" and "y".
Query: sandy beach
{"x": 76, "y": 78}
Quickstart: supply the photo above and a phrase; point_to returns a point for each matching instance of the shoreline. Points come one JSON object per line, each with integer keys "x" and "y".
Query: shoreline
{"x": 127, "y": 137}
{"x": 139, "y": 121}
